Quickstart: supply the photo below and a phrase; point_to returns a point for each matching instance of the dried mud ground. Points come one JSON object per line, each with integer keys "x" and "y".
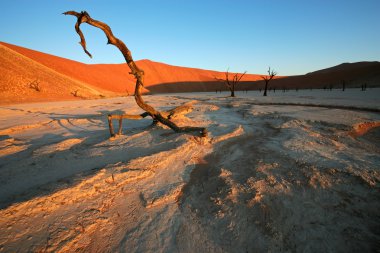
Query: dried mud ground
{"x": 272, "y": 176}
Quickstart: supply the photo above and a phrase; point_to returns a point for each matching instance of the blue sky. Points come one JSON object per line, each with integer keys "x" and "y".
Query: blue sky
{"x": 291, "y": 36}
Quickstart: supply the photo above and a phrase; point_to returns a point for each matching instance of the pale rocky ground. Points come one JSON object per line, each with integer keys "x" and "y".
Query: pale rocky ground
{"x": 268, "y": 178}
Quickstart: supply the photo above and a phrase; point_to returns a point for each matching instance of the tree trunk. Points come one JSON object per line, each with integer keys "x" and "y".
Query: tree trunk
{"x": 84, "y": 17}
{"x": 266, "y": 88}
{"x": 271, "y": 74}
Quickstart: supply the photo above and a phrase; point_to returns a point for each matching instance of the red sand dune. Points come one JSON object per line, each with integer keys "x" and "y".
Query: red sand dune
{"x": 59, "y": 77}
{"x": 109, "y": 77}
{"x": 116, "y": 77}
{"x": 17, "y": 72}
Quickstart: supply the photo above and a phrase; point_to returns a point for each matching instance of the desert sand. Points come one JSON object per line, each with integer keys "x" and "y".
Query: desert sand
{"x": 292, "y": 172}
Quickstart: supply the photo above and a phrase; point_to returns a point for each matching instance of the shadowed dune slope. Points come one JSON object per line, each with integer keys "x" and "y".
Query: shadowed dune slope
{"x": 352, "y": 74}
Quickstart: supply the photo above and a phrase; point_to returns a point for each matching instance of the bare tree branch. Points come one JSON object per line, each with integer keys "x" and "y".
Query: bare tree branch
{"x": 231, "y": 84}
{"x": 241, "y": 76}
{"x": 84, "y": 17}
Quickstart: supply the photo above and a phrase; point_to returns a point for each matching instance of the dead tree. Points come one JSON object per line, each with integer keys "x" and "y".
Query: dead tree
{"x": 231, "y": 84}
{"x": 157, "y": 116}
{"x": 267, "y": 78}
{"x": 35, "y": 85}
{"x": 75, "y": 93}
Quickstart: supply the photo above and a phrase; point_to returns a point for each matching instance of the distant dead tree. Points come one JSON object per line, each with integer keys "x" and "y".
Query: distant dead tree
{"x": 75, "y": 93}
{"x": 35, "y": 85}
{"x": 231, "y": 83}
{"x": 267, "y": 78}
{"x": 157, "y": 116}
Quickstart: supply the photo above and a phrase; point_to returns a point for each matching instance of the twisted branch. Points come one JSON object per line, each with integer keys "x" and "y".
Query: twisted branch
{"x": 84, "y": 17}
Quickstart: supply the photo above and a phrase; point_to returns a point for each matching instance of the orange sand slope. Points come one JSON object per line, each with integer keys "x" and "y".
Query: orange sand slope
{"x": 116, "y": 77}
{"x": 18, "y": 71}
{"x": 59, "y": 78}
